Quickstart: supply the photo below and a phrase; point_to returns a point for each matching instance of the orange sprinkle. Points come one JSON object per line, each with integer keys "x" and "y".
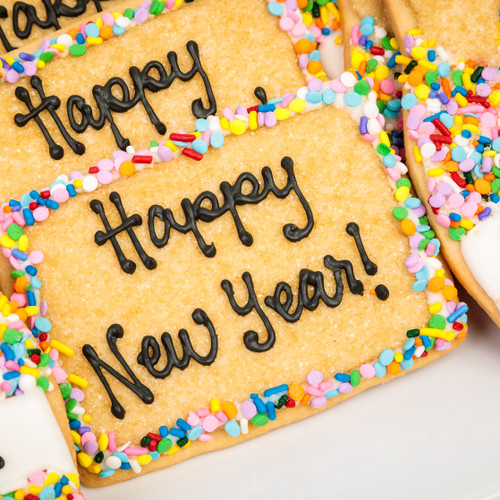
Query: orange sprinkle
{"x": 314, "y": 67}
{"x": 489, "y": 177}
{"x": 415, "y": 78}
{"x": 436, "y": 284}
{"x": 305, "y": 400}
{"x": 22, "y": 314}
{"x": 394, "y": 368}
{"x": 106, "y": 32}
{"x": 301, "y": 4}
{"x": 470, "y": 187}
{"x": 304, "y": 46}
{"x": 454, "y": 224}
{"x": 445, "y": 83}
{"x": 127, "y": 168}
{"x": 418, "y": 341}
{"x": 7, "y": 209}
{"x": 408, "y": 227}
{"x": 319, "y": 23}
{"x": 449, "y": 292}
{"x": 482, "y": 186}
{"x": 451, "y": 166}
{"x": 296, "y": 392}
{"x": 20, "y": 284}
{"x": 229, "y": 408}
{"x": 44, "y": 345}
{"x": 73, "y": 32}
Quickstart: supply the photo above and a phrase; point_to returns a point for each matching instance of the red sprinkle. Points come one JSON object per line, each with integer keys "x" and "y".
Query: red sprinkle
{"x": 424, "y": 354}
{"x": 192, "y": 154}
{"x": 42, "y": 337}
{"x": 253, "y": 108}
{"x": 155, "y": 437}
{"x": 182, "y": 137}
{"x": 377, "y": 51}
{"x": 45, "y": 195}
{"x": 93, "y": 170}
{"x": 458, "y": 180}
{"x": 290, "y": 403}
{"x": 152, "y": 445}
{"x": 458, "y": 326}
{"x": 441, "y": 138}
{"x": 142, "y": 158}
{"x": 33, "y": 205}
{"x": 441, "y": 127}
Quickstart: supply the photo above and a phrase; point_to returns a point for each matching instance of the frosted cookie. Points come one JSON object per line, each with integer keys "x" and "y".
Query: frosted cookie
{"x": 35, "y": 441}
{"x": 22, "y": 22}
{"x": 451, "y": 103}
{"x": 65, "y": 115}
{"x": 201, "y": 290}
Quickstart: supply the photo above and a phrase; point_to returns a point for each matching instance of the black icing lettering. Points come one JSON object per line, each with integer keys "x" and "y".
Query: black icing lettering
{"x": 251, "y": 337}
{"x": 127, "y": 224}
{"x": 370, "y": 267}
{"x": 51, "y": 104}
{"x": 311, "y": 290}
{"x": 261, "y": 95}
{"x": 150, "y": 352}
{"x": 81, "y": 115}
{"x": 139, "y": 389}
{"x": 382, "y": 292}
{"x": 23, "y": 11}
{"x": 2, "y": 463}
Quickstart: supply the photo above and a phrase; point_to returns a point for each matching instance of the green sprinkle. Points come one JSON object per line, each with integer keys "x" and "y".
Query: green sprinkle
{"x": 496, "y": 171}
{"x": 386, "y": 43}
{"x": 433, "y": 341}
{"x": 70, "y": 405}
{"x": 383, "y": 150}
{"x": 43, "y": 382}
{"x": 362, "y": 87}
{"x": 457, "y": 77}
{"x": 99, "y": 457}
{"x": 153, "y": 6}
{"x": 410, "y": 66}
{"x": 47, "y": 56}
{"x": 12, "y": 336}
{"x": 182, "y": 441}
{"x": 477, "y": 74}
{"x": 260, "y": 419}
{"x": 400, "y": 213}
{"x": 355, "y": 378}
{"x": 413, "y": 333}
{"x": 381, "y": 105}
{"x": 65, "y": 389}
{"x": 129, "y": 13}
{"x": 430, "y": 77}
{"x": 164, "y": 445}
{"x": 72, "y": 416}
{"x": 456, "y": 233}
{"x": 403, "y": 182}
{"x": 159, "y": 9}
{"x": 371, "y": 64}
{"x": 34, "y": 351}
{"x": 14, "y": 231}
{"x": 153, "y": 144}
{"x": 424, "y": 221}
{"x": 145, "y": 441}
{"x": 429, "y": 234}
{"x": 281, "y": 402}
{"x": 495, "y": 186}
{"x": 437, "y": 321}
{"x": 77, "y": 50}
{"x": 17, "y": 274}
{"x": 423, "y": 244}
{"x": 44, "y": 360}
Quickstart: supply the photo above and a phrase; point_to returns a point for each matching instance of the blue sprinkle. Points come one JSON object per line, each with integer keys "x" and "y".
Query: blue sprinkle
{"x": 121, "y": 455}
{"x": 25, "y": 200}
{"x": 264, "y": 108}
{"x": 182, "y": 424}
{"x": 409, "y": 353}
{"x": 71, "y": 190}
{"x": 125, "y": 466}
{"x": 177, "y": 432}
{"x": 394, "y": 104}
{"x": 466, "y": 133}
{"x": 31, "y": 298}
{"x": 74, "y": 424}
{"x": 409, "y": 344}
{"x": 431, "y": 55}
{"x": 455, "y": 315}
{"x": 412, "y": 203}
{"x": 47, "y": 493}
{"x": 367, "y": 29}
{"x": 406, "y": 364}
{"x": 495, "y": 145}
{"x": 275, "y": 8}
{"x": 106, "y": 472}
{"x": 163, "y": 431}
{"x": 328, "y": 96}
{"x": 43, "y": 324}
{"x": 52, "y": 204}
{"x": 458, "y": 153}
{"x": 426, "y": 341}
{"x": 154, "y": 455}
{"x": 232, "y": 428}
{"x": 261, "y": 407}
{"x": 92, "y": 30}
{"x": 310, "y": 37}
{"x": 217, "y": 140}
{"x": 408, "y": 101}
{"x": 275, "y": 390}
{"x": 331, "y": 393}
{"x": 19, "y": 255}
{"x": 18, "y": 67}
{"x": 202, "y": 125}
{"x": 315, "y": 55}
{"x": 26, "y": 57}
{"x": 380, "y": 370}
{"x": 368, "y": 20}
{"x": 271, "y": 410}
{"x": 447, "y": 120}
{"x": 200, "y": 146}
{"x": 483, "y": 140}
{"x": 352, "y": 99}
{"x": 80, "y": 39}
{"x": 7, "y": 351}
{"x": 389, "y": 160}
{"x": 195, "y": 433}
{"x": 386, "y": 357}
{"x": 36, "y": 283}
{"x": 419, "y": 286}
{"x": 35, "y": 195}
{"x": 10, "y": 375}
{"x": 313, "y": 97}
{"x": 31, "y": 270}
{"x": 118, "y": 30}
{"x": 342, "y": 377}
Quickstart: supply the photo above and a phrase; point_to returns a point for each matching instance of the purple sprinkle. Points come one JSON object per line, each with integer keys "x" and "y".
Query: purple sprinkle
{"x": 409, "y": 42}
{"x": 43, "y": 307}
{"x": 141, "y": 15}
{"x": 439, "y": 156}
{"x": 91, "y": 447}
{"x": 363, "y": 125}
{"x": 466, "y": 165}
{"x": 45, "y": 45}
{"x": 487, "y": 164}
{"x": 444, "y": 188}
{"x": 26, "y": 57}
{"x": 419, "y": 211}
{"x": 30, "y": 68}
{"x": 303, "y": 61}
{"x": 413, "y": 121}
{"x": 315, "y": 85}
{"x": 485, "y": 213}
{"x": 83, "y": 430}
{"x": 411, "y": 260}
{"x": 345, "y": 387}
{"x": 270, "y": 119}
{"x": 437, "y": 200}
{"x": 452, "y": 107}
{"x": 241, "y": 110}
{"x": 314, "y": 378}
{"x": 12, "y": 76}
{"x": 291, "y": 5}
{"x": 248, "y": 409}
{"x": 164, "y": 153}
{"x": 489, "y": 74}
{"x": 260, "y": 119}
{"x": 363, "y": 39}
{"x": 443, "y": 98}
{"x": 77, "y": 394}
{"x": 415, "y": 240}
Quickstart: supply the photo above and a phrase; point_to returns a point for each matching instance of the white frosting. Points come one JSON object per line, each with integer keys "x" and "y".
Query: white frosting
{"x": 30, "y": 440}
{"x": 481, "y": 249}
{"x": 332, "y": 56}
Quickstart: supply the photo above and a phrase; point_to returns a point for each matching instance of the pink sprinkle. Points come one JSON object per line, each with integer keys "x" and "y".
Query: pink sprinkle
{"x": 59, "y": 374}
{"x": 88, "y": 436}
{"x": 108, "y": 19}
{"x": 314, "y": 391}
{"x": 60, "y": 195}
{"x": 20, "y": 298}
{"x": 326, "y": 385}
{"x": 345, "y": 388}
{"x": 6, "y": 386}
{"x": 40, "y": 213}
{"x": 387, "y": 86}
{"x": 104, "y": 177}
{"x": 105, "y": 165}
{"x": 37, "y": 478}
{"x": 355, "y": 35}
{"x": 411, "y": 260}
{"x": 443, "y": 220}
{"x": 456, "y": 200}
{"x": 367, "y": 371}
{"x": 413, "y": 121}
{"x": 429, "y": 251}
{"x": 203, "y": 412}
{"x": 416, "y": 268}
{"x": 287, "y": 99}
{"x": 6, "y": 252}
{"x": 337, "y": 86}
{"x": 135, "y": 451}
{"x": 393, "y": 174}
{"x": 15, "y": 263}
{"x": 210, "y": 423}
{"x": 111, "y": 441}
{"x": 228, "y": 113}
{"x": 286, "y": 24}
{"x": 221, "y": 416}
{"x": 36, "y": 257}
{"x": 205, "y": 437}
{"x": 193, "y": 419}
{"x": 468, "y": 209}
{"x": 318, "y": 402}
{"x": 299, "y": 29}
{"x": 12, "y": 366}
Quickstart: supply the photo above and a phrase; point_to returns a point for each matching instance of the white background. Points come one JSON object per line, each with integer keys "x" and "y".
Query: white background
{"x": 434, "y": 433}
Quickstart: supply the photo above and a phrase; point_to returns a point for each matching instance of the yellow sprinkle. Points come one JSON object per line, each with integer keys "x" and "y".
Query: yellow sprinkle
{"x": 3, "y": 300}
{"x": 87, "y": 418}
{"x": 35, "y": 490}
{"x": 19, "y": 495}
{"x": 29, "y": 371}
{"x": 173, "y": 450}
{"x": 405, "y": 60}
{"x": 384, "y": 97}
{"x": 461, "y": 100}
{"x": 66, "y": 490}
{"x": 99, "y": 22}
{"x": 467, "y": 83}
{"x": 74, "y": 478}
{"x": 427, "y": 65}
{"x": 466, "y": 224}
{"x": 253, "y": 124}
{"x": 77, "y": 439}
{"x": 32, "y": 310}
{"x": 282, "y": 114}
{"x": 94, "y": 468}
{"x": 437, "y": 333}
{"x": 116, "y": 15}
{"x": 403, "y": 78}
{"x": 214, "y": 405}
{"x": 417, "y": 52}
{"x": 237, "y": 127}
{"x": 307, "y": 19}
{"x": 62, "y": 348}
{"x": 144, "y": 459}
{"x": 394, "y": 43}
{"x": 402, "y": 193}
{"x": 398, "y": 357}
{"x": 187, "y": 445}
{"x": 3, "y": 327}
{"x": 382, "y": 72}
{"x": 84, "y": 460}
{"x": 440, "y": 273}
{"x": 173, "y": 147}
{"x": 416, "y": 153}
{"x": 29, "y": 344}
{"x": 23, "y": 243}
{"x": 224, "y": 123}
{"x": 51, "y": 478}
{"x": 331, "y": 7}
{"x": 435, "y": 172}
{"x": 435, "y": 308}
{"x": 297, "y": 105}
{"x": 76, "y": 380}
{"x": 422, "y": 91}
{"x": 356, "y": 59}
{"x": 473, "y": 129}
{"x": 338, "y": 40}
{"x": 103, "y": 442}
{"x": 77, "y": 183}
{"x": 489, "y": 153}
{"x": 323, "y": 11}
{"x": 197, "y": 134}
{"x": 40, "y": 64}
{"x": 6, "y": 310}
{"x": 494, "y": 98}
{"x": 10, "y": 60}
{"x": 7, "y": 242}
{"x": 414, "y": 32}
